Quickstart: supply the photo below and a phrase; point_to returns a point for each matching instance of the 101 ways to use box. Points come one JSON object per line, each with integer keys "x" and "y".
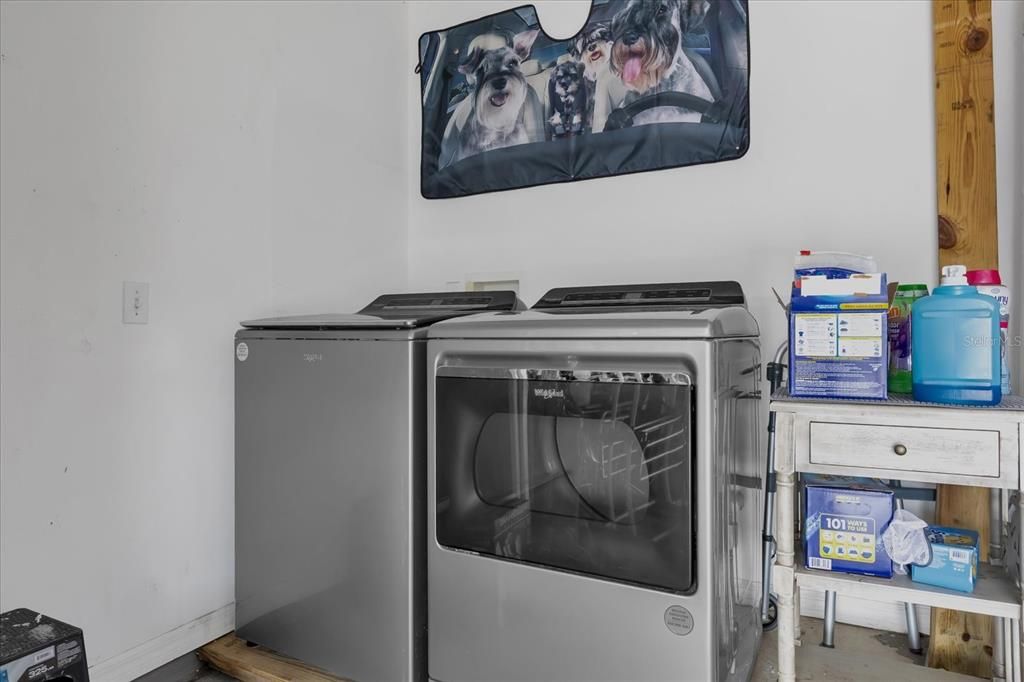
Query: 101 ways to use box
{"x": 838, "y": 345}
{"x": 844, "y": 519}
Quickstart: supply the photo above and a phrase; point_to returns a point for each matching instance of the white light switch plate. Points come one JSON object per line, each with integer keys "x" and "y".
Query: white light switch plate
{"x": 135, "y": 303}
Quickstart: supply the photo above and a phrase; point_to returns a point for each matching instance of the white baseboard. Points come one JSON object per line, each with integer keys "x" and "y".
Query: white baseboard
{"x": 150, "y": 655}
{"x": 867, "y": 613}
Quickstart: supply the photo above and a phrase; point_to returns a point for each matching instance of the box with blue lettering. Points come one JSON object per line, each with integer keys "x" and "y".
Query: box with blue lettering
{"x": 844, "y": 519}
{"x": 838, "y": 328}
{"x": 954, "y": 562}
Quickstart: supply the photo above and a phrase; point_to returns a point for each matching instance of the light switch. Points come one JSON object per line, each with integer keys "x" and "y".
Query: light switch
{"x": 135, "y": 303}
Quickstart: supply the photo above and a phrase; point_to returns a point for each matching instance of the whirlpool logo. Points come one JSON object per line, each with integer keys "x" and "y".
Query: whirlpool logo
{"x": 548, "y": 393}
{"x": 313, "y": 357}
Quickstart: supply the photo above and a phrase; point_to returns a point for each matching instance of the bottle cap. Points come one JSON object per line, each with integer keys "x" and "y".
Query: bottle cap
{"x": 954, "y": 275}
{"x": 983, "y": 277}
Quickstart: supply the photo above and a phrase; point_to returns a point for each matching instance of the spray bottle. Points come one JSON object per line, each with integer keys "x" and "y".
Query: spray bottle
{"x": 988, "y": 282}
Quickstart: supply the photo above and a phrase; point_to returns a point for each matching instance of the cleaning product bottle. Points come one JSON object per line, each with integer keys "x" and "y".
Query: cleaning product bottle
{"x": 955, "y": 344}
{"x": 899, "y": 336}
{"x": 988, "y": 282}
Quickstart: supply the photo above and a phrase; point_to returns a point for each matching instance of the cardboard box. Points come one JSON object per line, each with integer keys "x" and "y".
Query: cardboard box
{"x": 34, "y": 648}
{"x": 838, "y": 337}
{"x": 844, "y": 519}
{"x": 954, "y": 563}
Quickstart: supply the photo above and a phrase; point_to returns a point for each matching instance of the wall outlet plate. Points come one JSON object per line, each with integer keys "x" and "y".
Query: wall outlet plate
{"x": 135, "y": 303}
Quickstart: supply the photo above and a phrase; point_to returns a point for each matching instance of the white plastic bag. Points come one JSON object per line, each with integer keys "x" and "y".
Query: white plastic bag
{"x": 905, "y": 541}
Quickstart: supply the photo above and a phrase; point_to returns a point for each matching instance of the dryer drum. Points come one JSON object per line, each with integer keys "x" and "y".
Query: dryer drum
{"x": 595, "y": 467}
{"x": 598, "y": 482}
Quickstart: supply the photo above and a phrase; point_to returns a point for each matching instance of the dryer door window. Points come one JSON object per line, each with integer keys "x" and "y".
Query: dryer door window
{"x": 591, "y": 474}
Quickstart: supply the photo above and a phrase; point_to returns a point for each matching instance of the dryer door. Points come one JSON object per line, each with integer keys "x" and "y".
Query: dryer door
{"x": 589, "y": 472}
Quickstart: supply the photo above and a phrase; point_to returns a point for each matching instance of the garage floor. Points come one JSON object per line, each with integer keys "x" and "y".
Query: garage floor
{"x": 861, "y": 655}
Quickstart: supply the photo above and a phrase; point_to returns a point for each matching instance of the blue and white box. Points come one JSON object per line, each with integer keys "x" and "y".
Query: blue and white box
{"x": 844, "y": 519}
{"x": 954, "y": 563}
{"x": 838, "y": 343}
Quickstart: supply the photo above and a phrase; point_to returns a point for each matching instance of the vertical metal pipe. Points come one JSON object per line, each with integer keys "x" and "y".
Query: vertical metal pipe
{"x": 828, "y": 633}
{"x": 997, "y": 527}
{"x": 913, "y": 632}
{"x": 999, "y": 658}
{"x": 775, "y": 375}
{"x": 767, "y": 539}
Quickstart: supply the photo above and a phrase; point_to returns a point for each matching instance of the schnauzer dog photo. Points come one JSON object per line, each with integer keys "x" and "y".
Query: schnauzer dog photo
{"x": 644, "y": 85}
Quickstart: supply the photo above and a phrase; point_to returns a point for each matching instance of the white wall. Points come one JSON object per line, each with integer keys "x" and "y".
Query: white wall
{"x": 842, "y": 157}
{"x": 224, "y": 153}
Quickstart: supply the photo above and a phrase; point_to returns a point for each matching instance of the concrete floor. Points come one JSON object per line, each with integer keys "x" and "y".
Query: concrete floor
{"x": 187, "y": 668}
{"x": 861, "y": 655}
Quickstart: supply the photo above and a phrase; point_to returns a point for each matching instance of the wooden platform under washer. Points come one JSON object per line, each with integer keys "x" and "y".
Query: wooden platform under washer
{"x": 233, "y": 656}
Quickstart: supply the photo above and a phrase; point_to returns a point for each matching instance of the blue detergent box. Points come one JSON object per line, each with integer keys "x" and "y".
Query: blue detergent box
{"x": 838, "y": 337}
{"x": 954, "y": 563}
{"x": 844, "y": 519}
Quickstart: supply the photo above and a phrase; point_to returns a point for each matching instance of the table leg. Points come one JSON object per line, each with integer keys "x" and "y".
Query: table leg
{"x": 1000, "y": 654}
{"x": 785, "y": 579}
{"x": 787, "y": 642}
{"x": 1016, "y": 657}
{"x": 796, "y": 614}
{"x": 1015, "y": 645}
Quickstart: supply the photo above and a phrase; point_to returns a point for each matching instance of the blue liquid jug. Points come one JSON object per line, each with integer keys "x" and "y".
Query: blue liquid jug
{"x": 956, "y": 344}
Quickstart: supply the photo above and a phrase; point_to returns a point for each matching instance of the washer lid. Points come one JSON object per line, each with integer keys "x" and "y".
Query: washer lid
{"x": 400, "y": 311}
{"x": 635, "y": 297}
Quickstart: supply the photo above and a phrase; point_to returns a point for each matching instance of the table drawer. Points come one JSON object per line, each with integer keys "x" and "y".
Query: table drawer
{"x": 903, "y": 448}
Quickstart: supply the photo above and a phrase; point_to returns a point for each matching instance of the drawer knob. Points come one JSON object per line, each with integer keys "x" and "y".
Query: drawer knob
{"x": 900, "y": 449}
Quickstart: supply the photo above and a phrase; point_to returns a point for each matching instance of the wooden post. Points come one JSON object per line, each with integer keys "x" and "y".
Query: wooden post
{"x": 966, "y": 173}
{"x": 965, "y": 133}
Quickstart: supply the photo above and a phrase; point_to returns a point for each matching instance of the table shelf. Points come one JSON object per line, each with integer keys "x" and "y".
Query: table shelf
{"x": 995, "y": 594}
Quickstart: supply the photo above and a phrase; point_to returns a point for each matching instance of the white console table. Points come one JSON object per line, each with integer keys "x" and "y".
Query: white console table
{"x": 900, "y": 439}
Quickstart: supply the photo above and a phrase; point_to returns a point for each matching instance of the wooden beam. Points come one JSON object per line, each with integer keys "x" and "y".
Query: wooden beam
{"x": 965, "y": 150}
{"x": 234, "y": 657}
{"x": 966, "y": 183}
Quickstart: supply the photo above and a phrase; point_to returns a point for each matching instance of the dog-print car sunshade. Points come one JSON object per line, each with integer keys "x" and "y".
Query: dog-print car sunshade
{"x": 645, "y": 85}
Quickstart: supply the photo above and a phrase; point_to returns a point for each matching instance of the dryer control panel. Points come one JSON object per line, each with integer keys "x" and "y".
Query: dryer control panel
{"x": 630, "y": 296}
